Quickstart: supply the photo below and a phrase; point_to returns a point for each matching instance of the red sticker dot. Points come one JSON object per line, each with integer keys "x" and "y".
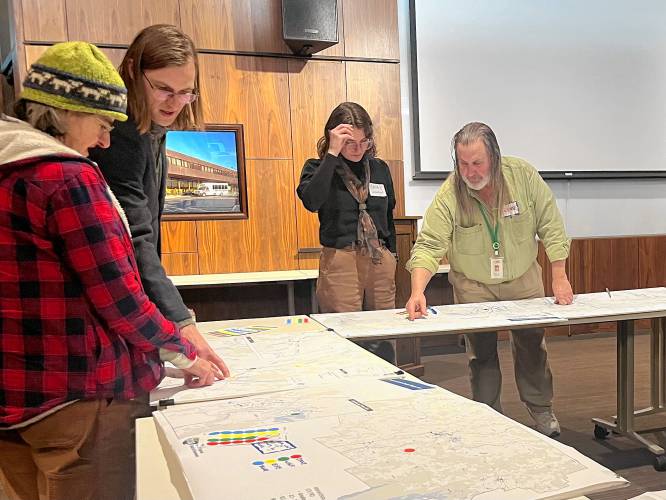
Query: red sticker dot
{"x": 409, "y": 450}
{"x": 295, "y": 456}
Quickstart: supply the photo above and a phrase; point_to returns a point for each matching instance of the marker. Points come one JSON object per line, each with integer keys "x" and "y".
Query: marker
{"x": 608, "y": 292}
{"x": 432, "y": 310}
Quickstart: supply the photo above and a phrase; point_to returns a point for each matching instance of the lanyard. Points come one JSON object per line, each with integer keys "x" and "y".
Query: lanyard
{"x": 491, "y": 231}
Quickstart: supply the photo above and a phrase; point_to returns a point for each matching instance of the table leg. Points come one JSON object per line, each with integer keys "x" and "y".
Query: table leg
{"x": 624, "y": 422}
{"x": 625, "y": 376}
{"x": 313, "y": 297}
{"x": 291, "y": 304}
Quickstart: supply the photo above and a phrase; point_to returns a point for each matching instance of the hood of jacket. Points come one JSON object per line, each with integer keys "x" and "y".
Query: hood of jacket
{"x": 21, "y": 141}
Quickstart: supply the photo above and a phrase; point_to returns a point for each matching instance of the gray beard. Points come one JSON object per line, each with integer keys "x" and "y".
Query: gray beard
{"x": 478, "y": 187}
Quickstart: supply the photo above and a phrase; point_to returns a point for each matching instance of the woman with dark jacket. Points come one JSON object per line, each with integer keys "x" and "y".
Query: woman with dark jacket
{"x": 352, "y": 192}
{"x": 161, "y": 72}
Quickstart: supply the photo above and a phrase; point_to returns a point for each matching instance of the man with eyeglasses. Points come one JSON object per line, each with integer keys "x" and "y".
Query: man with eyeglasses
{"x": 161, "y": 72}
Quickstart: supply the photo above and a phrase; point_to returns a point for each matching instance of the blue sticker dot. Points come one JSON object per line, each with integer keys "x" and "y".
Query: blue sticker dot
{"x": 258, "y": 462}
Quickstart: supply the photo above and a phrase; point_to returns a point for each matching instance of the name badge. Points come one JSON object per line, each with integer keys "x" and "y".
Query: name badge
{"x": 496, "y": 267}
{"x": 377, "y": 190}
{"x": 510, "y": 209}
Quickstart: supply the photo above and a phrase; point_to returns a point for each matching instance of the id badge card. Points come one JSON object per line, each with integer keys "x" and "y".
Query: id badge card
{"x": 510, "y": 209}
{"x": 377, "y": 190}
{"x": 496, "y": 267}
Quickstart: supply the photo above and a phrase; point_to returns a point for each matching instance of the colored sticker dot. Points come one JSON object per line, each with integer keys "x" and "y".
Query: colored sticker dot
{"x": 271, "y": 461}
{"x": 282, "y": 459}
{"x": 258, "y": 462}
{"x": 409, "y": 450}
{"x": 296, "y": 456}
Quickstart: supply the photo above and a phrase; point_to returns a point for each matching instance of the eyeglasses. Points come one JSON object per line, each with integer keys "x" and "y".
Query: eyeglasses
{"x": 104, "y": 126}
{"x": 165, "y": 94}
{"x": 363, "y": 144}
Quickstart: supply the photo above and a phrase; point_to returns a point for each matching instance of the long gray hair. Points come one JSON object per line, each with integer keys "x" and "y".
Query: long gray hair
{"x": 469, "y": 134}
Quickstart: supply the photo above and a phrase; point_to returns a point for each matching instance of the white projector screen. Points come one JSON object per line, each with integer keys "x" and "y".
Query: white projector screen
{"x": 576, "y": 87}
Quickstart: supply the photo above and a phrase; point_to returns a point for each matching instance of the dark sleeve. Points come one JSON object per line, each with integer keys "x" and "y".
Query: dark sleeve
{"x": 391, "y": 243}
{"x": 390, "y": 193}
{"x": 124, "y": 167}
{"x": 316, "y": 180}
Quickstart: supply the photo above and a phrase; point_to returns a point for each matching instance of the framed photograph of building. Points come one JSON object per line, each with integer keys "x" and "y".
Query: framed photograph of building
{"x": 206, "y": 178}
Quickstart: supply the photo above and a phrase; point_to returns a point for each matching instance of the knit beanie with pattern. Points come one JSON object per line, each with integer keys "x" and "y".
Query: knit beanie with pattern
{"x": 77, "y": 76}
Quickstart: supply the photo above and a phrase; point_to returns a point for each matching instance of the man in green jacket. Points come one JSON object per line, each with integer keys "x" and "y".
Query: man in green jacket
{"x": 485, "y": 219}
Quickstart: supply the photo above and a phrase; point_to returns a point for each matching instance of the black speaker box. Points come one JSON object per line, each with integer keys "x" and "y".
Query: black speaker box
{"x": 309, "y": 26}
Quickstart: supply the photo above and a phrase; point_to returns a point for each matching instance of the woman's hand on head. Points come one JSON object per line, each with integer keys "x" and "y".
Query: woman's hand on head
{"x": 338, "y": 136}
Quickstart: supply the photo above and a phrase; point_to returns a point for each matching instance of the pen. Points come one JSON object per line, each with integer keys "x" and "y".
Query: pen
{"x": 608, "y": 292}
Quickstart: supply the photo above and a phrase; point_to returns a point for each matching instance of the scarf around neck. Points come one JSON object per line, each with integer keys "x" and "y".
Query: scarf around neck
{"x": 366, "y": 229}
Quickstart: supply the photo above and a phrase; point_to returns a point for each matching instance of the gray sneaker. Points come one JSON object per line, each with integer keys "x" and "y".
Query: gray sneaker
{"x": 546, "y": 422}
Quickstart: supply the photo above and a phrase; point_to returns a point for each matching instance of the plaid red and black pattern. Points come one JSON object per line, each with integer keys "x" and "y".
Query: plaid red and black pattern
{"x": 74, "y": 319}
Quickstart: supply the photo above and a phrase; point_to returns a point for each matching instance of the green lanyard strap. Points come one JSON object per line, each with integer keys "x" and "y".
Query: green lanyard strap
{"x": 491, "y": 231}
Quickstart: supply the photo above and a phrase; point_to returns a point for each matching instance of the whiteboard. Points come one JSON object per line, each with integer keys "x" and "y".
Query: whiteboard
{"x": 575, "y": 87}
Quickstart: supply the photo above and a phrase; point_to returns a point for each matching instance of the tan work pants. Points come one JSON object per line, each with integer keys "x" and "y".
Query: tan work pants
{"x": 530, "y": 358}
{"x": 349, "y": 281}
{"x": 84, "y": 451}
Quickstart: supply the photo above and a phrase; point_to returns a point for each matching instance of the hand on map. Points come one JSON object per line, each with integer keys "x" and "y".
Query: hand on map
{"x": 416, "y": 307}
{"x": 562, "y": 291}
{"x": 201, "y": 373}
{"x": 204, "y": 351}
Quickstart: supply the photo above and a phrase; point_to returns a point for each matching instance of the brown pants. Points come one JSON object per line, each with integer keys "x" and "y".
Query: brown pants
{"x": 530, "y": 358}
{"x": 84, "y": 451}
{"x": 349, "y": 281}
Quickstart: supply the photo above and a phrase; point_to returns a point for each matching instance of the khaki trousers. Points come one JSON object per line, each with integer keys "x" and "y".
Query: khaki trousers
{"x": 84, "y": 451}
{"x": 349, "y": 281}
{"x": 530, "y": 358}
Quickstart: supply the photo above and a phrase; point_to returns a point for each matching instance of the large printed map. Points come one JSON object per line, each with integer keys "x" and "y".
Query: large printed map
{"x": 381, "y": 439}
{"x": 274, "y": 360}
{"x": 495, "y": 315}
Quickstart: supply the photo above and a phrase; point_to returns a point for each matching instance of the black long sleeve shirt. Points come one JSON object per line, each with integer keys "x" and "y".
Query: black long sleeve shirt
{"x": 322, "y": 190}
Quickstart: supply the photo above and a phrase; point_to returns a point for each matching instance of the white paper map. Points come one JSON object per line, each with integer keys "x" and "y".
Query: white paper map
{"x": 495, "y": 315}
{"x": 382, "y": 439}
{"x": 270, "y": 361}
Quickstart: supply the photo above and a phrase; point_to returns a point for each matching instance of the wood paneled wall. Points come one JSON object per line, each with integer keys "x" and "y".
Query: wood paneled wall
{"x": 282, "y": 102}
{"x": 619, "y": 263}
